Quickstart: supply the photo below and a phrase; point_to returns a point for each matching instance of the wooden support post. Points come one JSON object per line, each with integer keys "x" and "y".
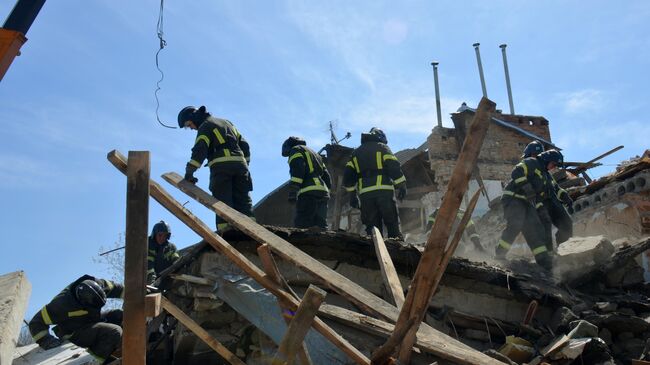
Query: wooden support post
{"x": 447, "y": 347}
{"x": 420, "y": 292}
{"x": 338, "y": 204}
{"x": 271, "y": 269}
{"x": 200, "y": 332}
{"x": 221, "y": 245}
{"x": 388, "y": 272}
{"x": 134, "y": 342}
{"x": 152, "y": 305}
{"x": 300, "y": 324}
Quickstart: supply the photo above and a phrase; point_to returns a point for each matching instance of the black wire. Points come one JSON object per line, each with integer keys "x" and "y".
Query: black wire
{"x": 163, "y": 43}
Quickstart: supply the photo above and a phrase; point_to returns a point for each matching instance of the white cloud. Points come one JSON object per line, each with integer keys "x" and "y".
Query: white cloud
{"x": 395, "y": 31}
{"x": 582, "y": 101}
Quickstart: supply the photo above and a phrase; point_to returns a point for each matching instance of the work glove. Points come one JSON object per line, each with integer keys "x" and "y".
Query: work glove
{"x": 189, "y": 176}
{"x": 293, "y": 196}
{"x": 49, "y": 342}
{"x": 354, "y": 201}
{"x": 401, "y": 192}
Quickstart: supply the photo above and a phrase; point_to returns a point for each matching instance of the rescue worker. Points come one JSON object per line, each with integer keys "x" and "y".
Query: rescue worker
{"x": 309, "y": 184}
{"x": 76, "y": 316}
{"x": 557, "y": 198}
{"x": 228, "y": 156}
{"x": 522, "y": 197}
{"x": 470, "y": 232}
{"x": 374, "y": 172}
{"x": 162, "y": 253}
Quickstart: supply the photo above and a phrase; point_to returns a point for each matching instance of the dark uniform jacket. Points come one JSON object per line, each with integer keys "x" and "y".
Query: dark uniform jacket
{"x": 372, "y": 167}
{"x": 219, "y": 142}
{"x": 160, "y": 257}
{"x": 67, "y": 314}
{"x": 308, "y": 172}
{"x": 470, "y": 229}
{"x": 528, "y": 182}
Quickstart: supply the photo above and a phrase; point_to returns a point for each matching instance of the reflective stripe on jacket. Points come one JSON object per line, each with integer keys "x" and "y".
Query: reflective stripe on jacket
{"x": 528, "y": 172}
{"x": 218, "y": 141}
{"x": 372, "y": 167}
{"x": 308, "y": 172}
{"x": 159, "y": 258}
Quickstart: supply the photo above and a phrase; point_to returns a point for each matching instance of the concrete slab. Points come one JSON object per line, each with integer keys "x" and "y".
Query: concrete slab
{"x": 14, "y": 296}
{"x": 68, "y": 354}
{"x": 581, "y": 255}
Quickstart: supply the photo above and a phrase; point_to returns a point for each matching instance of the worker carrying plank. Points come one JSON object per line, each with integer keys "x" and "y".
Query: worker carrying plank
{"x": 309, "y": 184}
{"x": 76, "y": 316}
{"x": 161, "y": 253}
{"x": 228, "y": 156}
{"x": 374, "y": 173}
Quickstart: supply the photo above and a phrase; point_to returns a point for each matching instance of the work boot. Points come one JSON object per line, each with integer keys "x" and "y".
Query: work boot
{"x": 545, "y": 260}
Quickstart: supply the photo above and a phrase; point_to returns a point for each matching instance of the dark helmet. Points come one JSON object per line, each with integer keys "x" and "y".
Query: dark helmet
{"x": 381, "y": 136}
{"x": 533, "y": 149}
{"x": 90, "y": 294}
{"x": 163, "y": 227}
{"x": 186, "y": 114}
{"x": 551, "y": 156}
{"x": 290, "y": 143}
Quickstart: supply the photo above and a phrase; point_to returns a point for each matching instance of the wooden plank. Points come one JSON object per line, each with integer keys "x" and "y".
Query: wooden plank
{"x": 448, "y": 347}
{"x": 152, "y": 305}
{"x": 192, "y": 279}
{"x": 300, "y": 324}
{"x": 271, "y": 269}
{"x": 168, "y": 202}
{"x": 200, "y": 332}
{"x": 388, "y": 272}
{"x": 184, "y": 260}
{"x": 420, "y": 292}
{"x": 134, "y": 341}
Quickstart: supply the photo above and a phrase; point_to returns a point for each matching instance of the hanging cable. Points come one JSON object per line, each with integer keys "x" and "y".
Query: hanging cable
{"x": 163, "y": 43}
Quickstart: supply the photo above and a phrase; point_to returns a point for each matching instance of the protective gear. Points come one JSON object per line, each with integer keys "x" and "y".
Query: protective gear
{"x": 533, "y": 149}
{"x": 569, "y": 208}
{"x": 381, "y": 136}
{"x": 529, "y": 193}
{"x": 354, "y": 201}
{"x": 89, "y": 293}
{"x": 292, "y": 196}
{"x": 160, "y": 257}
{"x": 290, "y": 143}
{"x": 186, "y": 114}
{"x": 189, "y": 176}
{"x": 401, "y": 192}
{"x": 161, "y": 227}
{"x": 551, "y": 156}
{"x": 49, "y": 342}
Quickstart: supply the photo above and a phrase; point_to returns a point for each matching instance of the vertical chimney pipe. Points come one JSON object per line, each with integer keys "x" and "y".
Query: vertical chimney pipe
{"x": 435, "y": 81}
{"x": 505, "y": 69}
{"x": 480, "y": 68}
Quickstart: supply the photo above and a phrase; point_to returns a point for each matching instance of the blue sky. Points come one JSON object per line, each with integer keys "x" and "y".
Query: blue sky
{"x": 85, "y": 81}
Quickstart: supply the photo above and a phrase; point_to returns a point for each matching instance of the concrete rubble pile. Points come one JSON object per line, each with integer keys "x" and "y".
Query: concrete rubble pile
{"x": 518, "y": 311}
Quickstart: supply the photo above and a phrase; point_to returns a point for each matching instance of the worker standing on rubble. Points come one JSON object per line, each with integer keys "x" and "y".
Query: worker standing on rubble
{"x": 556, "y": 214}
{"x": 76, "y": 315}
{"x": 470, "y": 232}
{"x": 162, "y": 253}
{"x": 374, "y": 172}
{"x": 522, "y": 199}
{"x": 228, "y": 156}
{"x": 309, "y": 185}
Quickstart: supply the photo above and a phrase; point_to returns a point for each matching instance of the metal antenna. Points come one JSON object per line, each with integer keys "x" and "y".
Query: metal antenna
{"x": 480, "y": 68}
{"x": 435, "y": 81}
{"x": 505, "y": 69}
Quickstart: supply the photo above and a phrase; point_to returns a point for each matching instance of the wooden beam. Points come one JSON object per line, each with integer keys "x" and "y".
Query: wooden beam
{"x": 134, "y": 341}
{"x": 222, "y": 246}
{"x": 388, "y": 272}
{"x": 152, "y": 305}
{"x": 271, "y": 269}
{"x": 200, "y": 332}
{"x": 420, "y": 292}
{"x": 448, "y": 347}
{"x": 192, "y": 279}
{"x": 292, "y": 342}
{"x": 184, "y": 260}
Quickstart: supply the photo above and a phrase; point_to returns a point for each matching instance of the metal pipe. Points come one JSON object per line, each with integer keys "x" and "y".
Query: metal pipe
{"x": 435, "y": 81}
{"x": 505, "y": 69}
{"x": 480, "y": 68}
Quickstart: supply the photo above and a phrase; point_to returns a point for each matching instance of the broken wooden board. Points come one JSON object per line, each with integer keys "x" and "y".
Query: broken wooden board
{"x": 200, "y": 332}
{"x": 218, "y": 243}
{"x": 152, "y": 303}
{"x": 447, "y": 347}
{"x": 388, "y": 272}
